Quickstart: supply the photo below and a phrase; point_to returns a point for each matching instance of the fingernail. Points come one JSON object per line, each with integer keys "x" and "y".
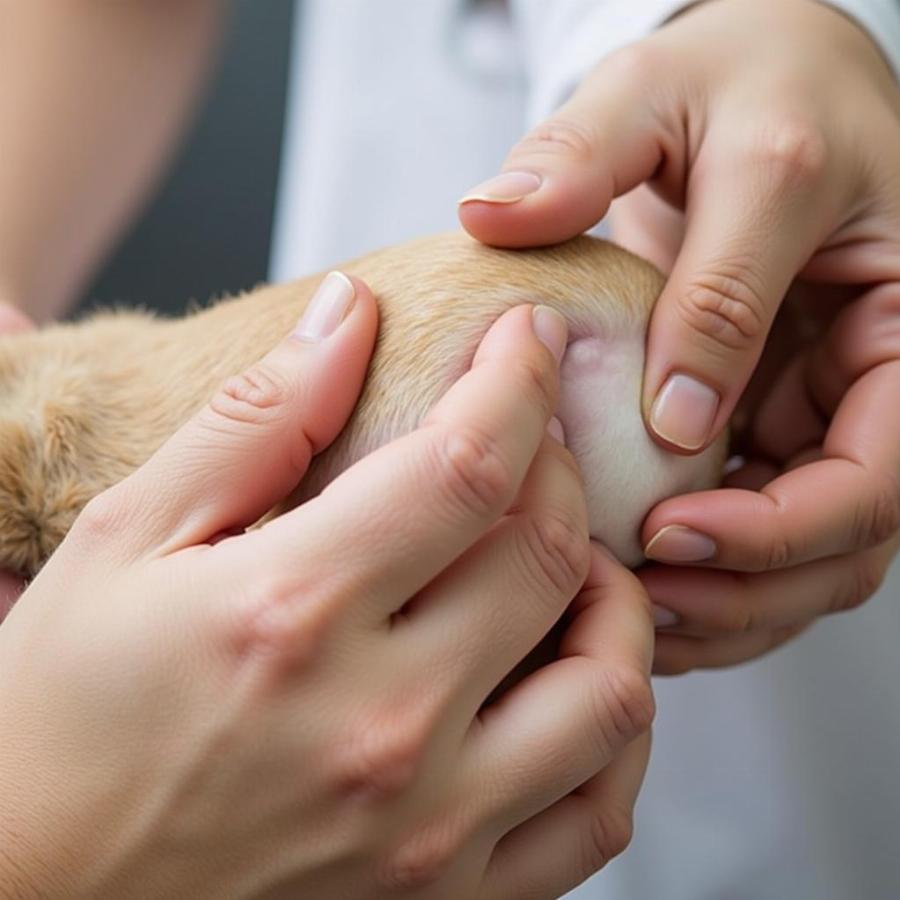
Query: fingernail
{"x": 680, "y": 544}
{"x": 327, "y": 308}
{"x": 510, "y": 187}
{"x": 684, "y": 411}
{"x": 550, "y": 329}
{"x": 555, "y": 430}
{"x": 664, "y": 618}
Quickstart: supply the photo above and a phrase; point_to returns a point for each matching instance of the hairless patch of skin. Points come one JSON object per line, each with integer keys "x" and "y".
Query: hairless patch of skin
{"x": 625, "y": 473}
{"x": 82, "y": 405}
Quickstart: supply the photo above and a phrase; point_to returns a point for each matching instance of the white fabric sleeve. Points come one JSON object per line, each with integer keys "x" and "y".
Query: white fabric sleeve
{"x": 563, "y": 40}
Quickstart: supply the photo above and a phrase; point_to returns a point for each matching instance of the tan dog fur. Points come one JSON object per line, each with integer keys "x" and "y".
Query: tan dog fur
{"x": 82, "y": 405}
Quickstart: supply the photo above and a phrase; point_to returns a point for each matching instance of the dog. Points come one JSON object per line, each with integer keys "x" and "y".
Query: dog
{"x": 85, "y": 403}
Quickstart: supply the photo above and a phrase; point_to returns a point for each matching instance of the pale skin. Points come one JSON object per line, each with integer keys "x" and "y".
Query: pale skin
{"x": 150, "y": 647}
{"x": 741, "y": 165}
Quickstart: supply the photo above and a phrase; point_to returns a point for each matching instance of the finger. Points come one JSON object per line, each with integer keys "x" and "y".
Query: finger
{"x": 562, "y": 724}
{"x": 751, "y": 225}
{"x": 252, "y": 442}
{"x": 848, "y": 500}
{"x": 563, "y": 846}
{"x": 13, "y": 320}
{"x": 751, "y": 475}
{"x": 412, "y": 507}
{"x": 863, "y": 337}
{"x": 799, "y": 405}
{"x": 788, "y": 420}
{"x": 558, "y": 181}
{"x": 481, "y": 617}
{"x": 676, "y": 655}
{"x": 702, "y": 603}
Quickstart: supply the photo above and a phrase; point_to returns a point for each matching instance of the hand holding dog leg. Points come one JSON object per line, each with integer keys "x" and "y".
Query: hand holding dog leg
{"x": 298, "y": 709}
{"x": 742, "y": 166}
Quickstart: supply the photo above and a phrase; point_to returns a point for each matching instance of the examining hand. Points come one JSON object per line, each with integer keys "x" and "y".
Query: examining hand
{"x": 192, "y": 710}
{"x": 744, "y": 164}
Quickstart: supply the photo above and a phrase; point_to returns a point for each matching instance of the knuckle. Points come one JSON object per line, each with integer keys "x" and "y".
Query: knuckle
{"x": 739, "y": 618}
{"x": 608, "y": 834}
{"x": 726, "y": 306}
{"x": 556, "y": 552}
{"x": 864, "y": 579}
{"x": 777, "y": 553}
{"x": 422, "y": 860}
{"x": 287, "y": 620}
{"x": 102, "y": 518}
{"x": 254, "y": 396}
{"x": 792, "y": 149}
{"x": 877, "y": 517}
{"x": 624, "y": 706}
{"x": 381, "y": 756}
{"x": 556, "y": 137}
{"x": 472, "y": 473}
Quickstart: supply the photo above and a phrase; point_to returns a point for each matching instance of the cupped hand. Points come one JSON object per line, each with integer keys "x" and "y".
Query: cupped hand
{"x": 742, "y": 165}
{"x": 191, "y": 709}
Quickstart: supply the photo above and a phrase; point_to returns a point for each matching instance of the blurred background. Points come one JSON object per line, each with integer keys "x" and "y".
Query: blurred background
{"x": 207, "y": 231}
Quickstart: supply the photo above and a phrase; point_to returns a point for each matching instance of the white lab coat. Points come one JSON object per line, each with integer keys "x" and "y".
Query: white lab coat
{"x": 775, "y": 781}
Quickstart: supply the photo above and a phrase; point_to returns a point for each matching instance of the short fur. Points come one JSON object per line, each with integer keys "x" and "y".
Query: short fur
{"x": 83, "y": 404}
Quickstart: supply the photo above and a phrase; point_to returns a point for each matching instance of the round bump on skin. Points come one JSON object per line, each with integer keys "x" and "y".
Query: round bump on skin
{"x": 288, "y": 623}
{"x": 104, "y": 519}
{"x": 791, "y": 151}
{"x": 379, "y": 756}
{"x": 423, "y": 859}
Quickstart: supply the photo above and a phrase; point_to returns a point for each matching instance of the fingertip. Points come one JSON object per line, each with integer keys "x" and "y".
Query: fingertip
{"x": 562, "y": 208}
{"x": 522, "y": 330}
{"x": 365, "y": 315}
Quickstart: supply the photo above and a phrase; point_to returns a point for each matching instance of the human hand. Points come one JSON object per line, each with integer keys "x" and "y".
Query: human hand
{"x": 192, "y": 710}
{"x": 761, "y": 161}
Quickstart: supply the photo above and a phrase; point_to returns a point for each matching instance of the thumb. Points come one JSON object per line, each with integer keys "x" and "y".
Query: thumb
{"x": 252, "y": 443}
{"x": 560, "y": 179}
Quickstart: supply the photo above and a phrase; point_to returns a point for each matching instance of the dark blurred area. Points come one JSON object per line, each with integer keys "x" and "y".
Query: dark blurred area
{"x": 207, "y": 230}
